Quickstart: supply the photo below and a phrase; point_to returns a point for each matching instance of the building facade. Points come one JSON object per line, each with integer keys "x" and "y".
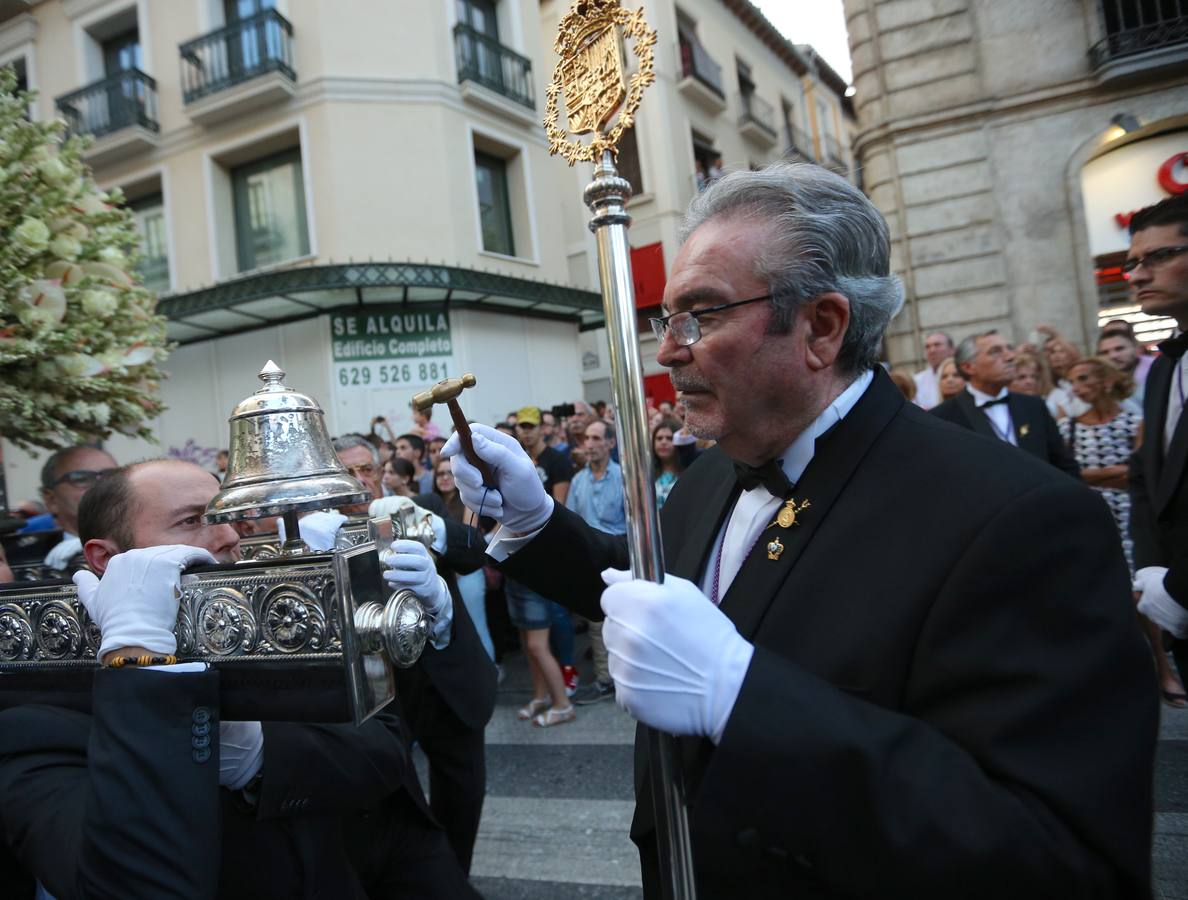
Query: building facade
{"x": 362, "y": 191}
{"x": 1006, "y": 142}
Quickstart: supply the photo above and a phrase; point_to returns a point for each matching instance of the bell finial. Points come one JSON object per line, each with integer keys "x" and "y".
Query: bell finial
{"x": 272, "y": 375}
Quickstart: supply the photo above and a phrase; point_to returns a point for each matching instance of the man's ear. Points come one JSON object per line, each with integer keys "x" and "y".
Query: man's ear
{"x": 99, "y": 552}
{"x": 826, "y": 318}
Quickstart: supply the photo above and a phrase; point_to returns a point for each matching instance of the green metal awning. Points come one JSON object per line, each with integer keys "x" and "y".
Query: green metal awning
{"x": 272, "y": 298}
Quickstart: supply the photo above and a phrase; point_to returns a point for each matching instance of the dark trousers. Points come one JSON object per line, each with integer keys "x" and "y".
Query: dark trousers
{"x": 457, "y": 783}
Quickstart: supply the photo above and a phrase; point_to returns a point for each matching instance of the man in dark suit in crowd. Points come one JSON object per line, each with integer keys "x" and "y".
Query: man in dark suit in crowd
{"x": 885, "y": 644}
{"x": 987, "y": 363}
{"x": 1157, "y": 265}
{"x": 449, "y": 695}
{"x": 152, "y": 795}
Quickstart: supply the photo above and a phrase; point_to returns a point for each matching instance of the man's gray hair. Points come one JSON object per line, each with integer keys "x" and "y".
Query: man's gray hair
{"x": 968, "y": 349}
{"x": 948, "y": 337}
{"x": 826, "y": 237}
{"x": 608, "y": 429}
{"x": 347, "y": 441}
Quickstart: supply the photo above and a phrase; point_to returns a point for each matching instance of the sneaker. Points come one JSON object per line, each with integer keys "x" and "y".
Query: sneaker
{"x": 570, "y": 676}
{"x": 594, "y": 692}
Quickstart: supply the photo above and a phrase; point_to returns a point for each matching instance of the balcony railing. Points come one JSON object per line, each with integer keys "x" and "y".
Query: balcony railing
{"x": 697, "y": 63}
{"x": 757, "y": 111}
{"x": 237, "y": 53}
{"x": 485, "y": 61}
{"x": 798, "y": 142}
{"x": 1131, "y": 41}
{"x": 124, "y": 100}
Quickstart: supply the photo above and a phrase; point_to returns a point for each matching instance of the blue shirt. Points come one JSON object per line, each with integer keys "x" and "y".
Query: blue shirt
{"x": 599, "y": 500}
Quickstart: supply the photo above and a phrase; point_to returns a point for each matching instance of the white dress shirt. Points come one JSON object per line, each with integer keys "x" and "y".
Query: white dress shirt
{"x": 999, "y": 414}
{"x": 927, "y": 388}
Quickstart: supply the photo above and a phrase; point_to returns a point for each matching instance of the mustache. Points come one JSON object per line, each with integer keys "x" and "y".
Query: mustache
{"x": 687, "y": 381}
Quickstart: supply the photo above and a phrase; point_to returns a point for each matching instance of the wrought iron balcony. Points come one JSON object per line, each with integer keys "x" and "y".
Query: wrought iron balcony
{"x": 1126, "y": 42}
{"x": 797, "y": 142}
{"x": 696, "y": 63}
{"x": 237, "y": 53}
{"x": 485, "y": 61}
{"x": 757, "y": 118}
{"x": 125, "y": 100}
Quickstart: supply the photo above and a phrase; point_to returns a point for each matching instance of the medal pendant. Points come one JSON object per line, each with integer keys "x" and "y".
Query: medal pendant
{"x": 786, "y": 517}
{"x": 774, "y": 548}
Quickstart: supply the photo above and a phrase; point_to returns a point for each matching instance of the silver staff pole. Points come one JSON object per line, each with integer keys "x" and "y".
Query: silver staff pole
{"x": 607, "y": 197}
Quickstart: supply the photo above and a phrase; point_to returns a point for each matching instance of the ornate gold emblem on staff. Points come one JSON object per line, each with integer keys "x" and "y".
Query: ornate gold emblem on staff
{"x": 590, "y": 79}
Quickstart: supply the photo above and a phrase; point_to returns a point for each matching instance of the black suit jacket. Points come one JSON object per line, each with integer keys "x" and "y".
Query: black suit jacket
{"x": 936, "y": 649}
{"x": 1035, "y": 429}
{"x": 126, "y": 802}
{"x": 1159, "y": 488}
{"x": 452, "y": 689}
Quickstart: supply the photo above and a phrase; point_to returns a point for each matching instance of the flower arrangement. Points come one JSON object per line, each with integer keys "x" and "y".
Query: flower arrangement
{"x": 79, "y": 336}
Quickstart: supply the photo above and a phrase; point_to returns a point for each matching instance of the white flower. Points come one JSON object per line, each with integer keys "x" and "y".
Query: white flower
{"x": 113, "y": 359}
{"x": 92, "y": 204}
{"x": 100, "y": 304}
{"x": 138, "y": 354}
{"x": 79, "y": 364}
{"x": 99, "y": 413}
{"x": 32, "y": 235}
{"x": 65, "y": 247}
{"x": 68, "y": 273}
{"x": 44, "y": 301}
{"x": 54, "y": 171}
{"x": 113, "y": 256}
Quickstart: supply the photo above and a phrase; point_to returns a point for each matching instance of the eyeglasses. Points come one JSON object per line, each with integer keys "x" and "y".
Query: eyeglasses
{"x": 1154, "y": 259}
{"x": 367, "y": 470}
{"x": 79, "y": 477}
{"x": 686, "y": 330}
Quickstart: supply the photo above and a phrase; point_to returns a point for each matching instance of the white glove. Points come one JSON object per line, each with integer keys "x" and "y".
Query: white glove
{"x": 319, "y": 529}
{"x": 520, "y": 502}
{"x": 677, "y": 662}
{"x": 135, "y": 603}
{"x": 59, "y": 557}
{"x": 1157, "y": 604}
{"x": 241, "y": 753}
{"x": 388, "y": 506}
{"x": 410, "y": 566}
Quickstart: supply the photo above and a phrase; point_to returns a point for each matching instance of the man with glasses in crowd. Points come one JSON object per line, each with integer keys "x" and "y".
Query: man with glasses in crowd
{"x": 853, "y": 717}
{"x": 65, "y": 478}
{"x": 1157, "y": 268}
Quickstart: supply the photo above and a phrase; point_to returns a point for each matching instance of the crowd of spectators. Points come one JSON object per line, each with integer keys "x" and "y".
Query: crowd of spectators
{"x": 1095, "y": 401}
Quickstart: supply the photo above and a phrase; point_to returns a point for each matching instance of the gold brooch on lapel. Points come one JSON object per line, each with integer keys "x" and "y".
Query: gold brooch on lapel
{"x": 1023, "y": 429}
{"x": 774, "y": 548}
{"x": 786, "y": 517}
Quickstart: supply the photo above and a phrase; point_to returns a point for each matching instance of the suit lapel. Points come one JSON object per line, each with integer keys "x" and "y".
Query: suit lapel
{"x": 1029, "y": 433}
{"x": 834, "y": 461}
{"x": 1155, "y": 398}
{"x": 1174, "y": 463}
{"x": 976, "y": 418}
{"x": 699, "y": 541}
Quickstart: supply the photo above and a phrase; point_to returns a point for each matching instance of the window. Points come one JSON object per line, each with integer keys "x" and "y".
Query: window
{"x": 746, "y": 84}
{"x": 122, "y": 52}
{"x": 269, "y": 199}
{"x": 149, "y": 213}
{"x": 628, "y": 161}
{"x": 249, "y": 46}
{"x": 494, "y": 205}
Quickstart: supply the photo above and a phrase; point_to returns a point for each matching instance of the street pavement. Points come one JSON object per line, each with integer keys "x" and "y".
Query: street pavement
{"x": 559, "y": 803}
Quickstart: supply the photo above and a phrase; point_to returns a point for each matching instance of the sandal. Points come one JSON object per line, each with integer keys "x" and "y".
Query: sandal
{"x": 535, "y": 705}
{"x": 1175, "y": 699}
{"x": 555, "y": 716}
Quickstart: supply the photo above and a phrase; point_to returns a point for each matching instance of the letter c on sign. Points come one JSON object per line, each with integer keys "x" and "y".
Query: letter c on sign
{"x": 1167, "y": 178}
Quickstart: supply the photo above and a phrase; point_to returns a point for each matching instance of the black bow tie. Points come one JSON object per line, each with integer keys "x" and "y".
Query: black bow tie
{"x": 770, "y": 475}
{"x": 1175, "y": 347}
{"x": 1003, "y": 399}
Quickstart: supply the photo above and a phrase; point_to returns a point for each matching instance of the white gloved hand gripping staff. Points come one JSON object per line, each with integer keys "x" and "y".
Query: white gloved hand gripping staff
{"x": 520, "y": 502}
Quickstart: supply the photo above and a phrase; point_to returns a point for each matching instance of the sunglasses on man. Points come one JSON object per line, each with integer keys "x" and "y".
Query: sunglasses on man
{"x": 79, "y": 477}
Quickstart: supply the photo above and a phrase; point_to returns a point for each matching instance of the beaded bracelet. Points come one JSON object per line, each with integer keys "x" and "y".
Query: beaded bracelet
{"x": 120, "y": 661}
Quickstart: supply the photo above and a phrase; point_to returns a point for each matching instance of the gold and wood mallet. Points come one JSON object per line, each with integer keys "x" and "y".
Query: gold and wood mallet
{"x": 447, "y": 392}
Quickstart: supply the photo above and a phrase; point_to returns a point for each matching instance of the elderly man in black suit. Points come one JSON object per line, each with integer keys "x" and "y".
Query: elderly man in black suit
{"x": 886, "y": 644}
{"x": 153, "y": 795}
{"x": 987, "y": 363}
{"x": 1157, "y": 265}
